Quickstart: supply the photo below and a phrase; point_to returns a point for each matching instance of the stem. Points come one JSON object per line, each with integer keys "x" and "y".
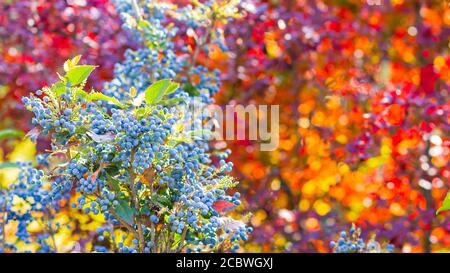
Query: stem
{"x": 153, "y": 233}
{"x": 203, "y": 40}
{"x": 137, "y": 9}
{"x": 125, "y": 224}
{"x": 49, "y": 230}
{"x": 429, "y": 205}
{"x": 183, "y": 236}
{"x": 157, "y": 246}
{"x": 135, "y": 203}
{"x": 3, "y": 223}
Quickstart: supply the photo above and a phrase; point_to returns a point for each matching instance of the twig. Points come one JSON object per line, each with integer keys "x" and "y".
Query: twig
{"x": 135, "y": 202}
{"x": 125, "y": 224}
{"x": 49, "y": 230}
{"x": 183, "y": 236}
{"x": 3, "y": 223}
{"x": 203, "y": 41}
{"x": 137, "y": 9}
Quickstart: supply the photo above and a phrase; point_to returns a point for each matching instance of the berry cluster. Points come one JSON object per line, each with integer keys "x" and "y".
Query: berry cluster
{"x": 352, "y": 242}
{"x": 25, "y": 202}
{"x": 36, "y": 36}
{"x": 167, "y": 51}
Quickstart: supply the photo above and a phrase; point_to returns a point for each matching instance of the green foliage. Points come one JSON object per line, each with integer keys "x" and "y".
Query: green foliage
{"x": 125, "y": 212}
{"x": 78, "y": 74}
{"x": 155, "y": 92}
{"x": 95, "y": 96}
{"x": 445, "y": 205}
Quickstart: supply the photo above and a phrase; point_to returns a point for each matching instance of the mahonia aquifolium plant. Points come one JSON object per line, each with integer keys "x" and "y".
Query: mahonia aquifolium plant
{"x": 21, "y": 202}
{"x": 352, "y": 242}
{"x": 127, "y": 151}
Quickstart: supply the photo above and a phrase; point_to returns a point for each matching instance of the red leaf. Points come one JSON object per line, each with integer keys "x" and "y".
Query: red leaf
{"x": 223, "y": 205}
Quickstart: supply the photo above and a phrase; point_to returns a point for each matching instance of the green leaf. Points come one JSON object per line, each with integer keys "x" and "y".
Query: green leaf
{"x": 58, "y": 88}
{"x": 81, "y": 93}
{"x": 172, "y": 87}
{"x": 155, "y": 92}
{"x": 111, "y": 171}
{"x": 191, "y": 90}
{"x": 172, "y": 101}
{"x": 144, "y": 24}
{"x": 75, "y": 60}
{"x": 94, "y": 96}
{"x": 124, "y": 211}
{"x": 445, "y": 205}
{"x": 177, "y": 240}
{"x": 161, "y": 200}
{"x": 4, "y": 165}
{"x": 79, "y": 74}
{"x": 143, "y": 111}
{"x": 69, "y": 64}
{"x": 10, "y": 133}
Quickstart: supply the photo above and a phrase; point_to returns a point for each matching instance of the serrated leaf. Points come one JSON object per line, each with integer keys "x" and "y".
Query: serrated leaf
{"x": 172, "y": 87}
{"x": 155, "y": 92}
{"x": 69, "y": 64}
{"x": 79, "y": 74}
{"x": 11, "y": 133}
{"x": 94, "y": 96}
{"x": 81, "y": 93}
{"x": 124, "y": 211}
{"x": 445, "y": 205}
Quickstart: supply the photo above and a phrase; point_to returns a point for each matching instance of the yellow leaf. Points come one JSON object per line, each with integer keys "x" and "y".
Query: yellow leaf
{"x": 24, "y": 150}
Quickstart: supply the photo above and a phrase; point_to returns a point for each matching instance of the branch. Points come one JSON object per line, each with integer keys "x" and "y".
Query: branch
{"x": 135, "y": 202}
{"x": 137, "y": 9}
{"x": 125, "y": 224}
{"x": 49, "y": 230}
{"x": 183, "y": 236}
{"x": 203, "y": 41}
{"x": 3, "y": 223}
